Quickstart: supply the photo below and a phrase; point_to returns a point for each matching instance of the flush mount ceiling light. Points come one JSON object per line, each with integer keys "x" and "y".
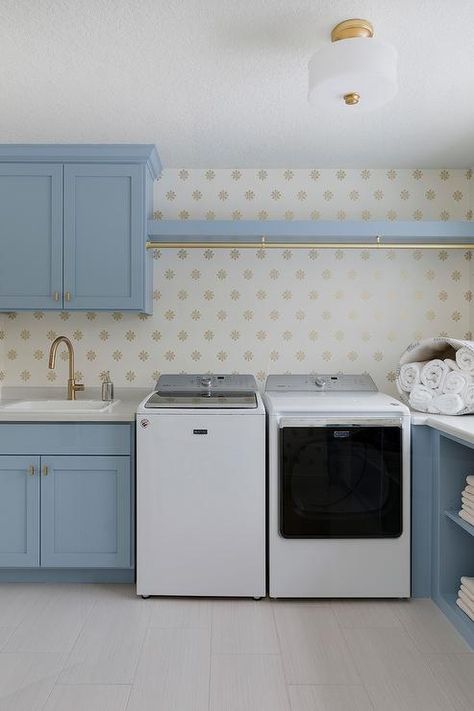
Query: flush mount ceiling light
{"x": 355, "y": 70}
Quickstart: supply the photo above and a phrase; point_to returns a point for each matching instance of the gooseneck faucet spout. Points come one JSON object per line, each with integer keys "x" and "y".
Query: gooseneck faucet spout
{"x": 72, "y": 386}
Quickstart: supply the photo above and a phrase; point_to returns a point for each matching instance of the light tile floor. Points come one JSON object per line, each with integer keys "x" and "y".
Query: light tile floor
{"x": 101, "y": 648}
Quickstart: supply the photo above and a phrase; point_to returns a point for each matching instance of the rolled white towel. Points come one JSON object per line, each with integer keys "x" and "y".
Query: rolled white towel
{"x": 448, "y": 403}
{"x": 468, "y": 582}
{"x": 410, "y": 375}
{"x": 469, "y": 489}
{"x": 421, "y": 398}
{"x": 452, "y": 365}
{"x": 468, "y": 396}
{"x": 434, "y": 373}
{"x": 456, "y": 382}
{"x": 466, "y": 517}
{"x": 470, "y": 479}
{"x": 468, "y": 496}
{"x": 465, "y": 359}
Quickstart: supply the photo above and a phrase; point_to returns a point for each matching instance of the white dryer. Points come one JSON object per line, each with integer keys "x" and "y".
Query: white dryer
{"x": 201, "y": 487}
{"x": 339, "y": 488}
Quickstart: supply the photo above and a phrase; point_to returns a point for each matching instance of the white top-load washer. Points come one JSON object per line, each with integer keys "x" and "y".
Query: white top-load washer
{"x": 201, "y": 487}
{"x": 339, "y": 488}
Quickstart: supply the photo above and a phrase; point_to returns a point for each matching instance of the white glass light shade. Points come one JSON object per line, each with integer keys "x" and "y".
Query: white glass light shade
{"x": 360, "y": 65}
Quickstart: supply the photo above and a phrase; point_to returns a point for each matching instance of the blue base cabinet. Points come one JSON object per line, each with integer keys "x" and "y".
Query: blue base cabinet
{"x": 442, "y": 542}
{"x": 19, "y": 511}
{"x": 73, "y": 221}
{"x": 85, "y": 512}
{"x": 67, "y": 501}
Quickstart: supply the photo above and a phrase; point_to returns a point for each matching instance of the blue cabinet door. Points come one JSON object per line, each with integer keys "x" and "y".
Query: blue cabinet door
{"x": 104, "y": 237}
{"x": 31, "y": 236}
{"x": 19, "y": 511}
{"x": 85, "y": 511}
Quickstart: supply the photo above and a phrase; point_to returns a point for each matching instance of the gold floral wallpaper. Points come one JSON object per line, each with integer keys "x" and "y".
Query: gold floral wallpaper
{"x": 276, "y": 310}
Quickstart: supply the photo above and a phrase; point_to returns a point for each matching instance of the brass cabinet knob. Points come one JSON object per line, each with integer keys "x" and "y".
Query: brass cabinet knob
{"x": 45, "y": 470}
{"x": 31, "y": 470}
{"x": 56, "y": 295}
{"x": 67, "y": 296}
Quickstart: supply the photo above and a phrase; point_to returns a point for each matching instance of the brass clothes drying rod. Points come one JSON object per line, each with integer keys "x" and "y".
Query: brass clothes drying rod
{"x": 264, "y": 244}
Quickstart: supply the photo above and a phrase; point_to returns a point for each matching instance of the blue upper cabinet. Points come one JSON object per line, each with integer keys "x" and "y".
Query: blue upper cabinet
{"x": 31, "y": 236}
{"x": 103, "y": 259}
{"x": 73, "y": 226}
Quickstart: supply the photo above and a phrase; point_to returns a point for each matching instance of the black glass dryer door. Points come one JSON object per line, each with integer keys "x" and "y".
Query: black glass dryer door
{"x": 341, "y": 481}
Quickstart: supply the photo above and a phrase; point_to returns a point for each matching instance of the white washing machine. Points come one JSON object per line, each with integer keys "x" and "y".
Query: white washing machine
{"x": 339, "y": 488}
{"x": 201, "y": 487}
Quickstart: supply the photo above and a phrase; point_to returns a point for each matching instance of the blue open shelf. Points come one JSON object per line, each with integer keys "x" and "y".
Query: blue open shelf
{"x": 453, "y": 538}
{"x": 459, "y": 619}
{"x": 454, "y": 516}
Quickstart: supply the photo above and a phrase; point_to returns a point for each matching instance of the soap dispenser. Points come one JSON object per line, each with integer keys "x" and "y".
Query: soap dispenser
{"x": 107, "y": 388}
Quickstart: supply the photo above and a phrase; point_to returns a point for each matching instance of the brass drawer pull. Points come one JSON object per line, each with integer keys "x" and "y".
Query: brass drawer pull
{"x": 31, "y": 470}
{"x": 56, "y": 295}
{"x": 45, "y": 470}
{"x": 67, "y": 296}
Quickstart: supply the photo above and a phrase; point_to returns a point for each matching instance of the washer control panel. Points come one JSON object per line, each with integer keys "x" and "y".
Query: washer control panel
{"x": 206, "y": 382}
{"x": 337, "y": 382}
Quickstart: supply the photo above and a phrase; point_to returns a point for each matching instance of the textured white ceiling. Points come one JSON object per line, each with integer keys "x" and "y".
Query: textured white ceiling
{"x": 223, "y": 83}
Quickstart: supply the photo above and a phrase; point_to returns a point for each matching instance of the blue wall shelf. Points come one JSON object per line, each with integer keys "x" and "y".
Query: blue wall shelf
{"x": 309, "y": 233}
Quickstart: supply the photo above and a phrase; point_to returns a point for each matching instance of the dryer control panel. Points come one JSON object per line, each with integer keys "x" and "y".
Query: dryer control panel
{"x": 336, "y": 382}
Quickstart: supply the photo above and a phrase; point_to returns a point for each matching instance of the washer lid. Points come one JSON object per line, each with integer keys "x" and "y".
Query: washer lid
{"x": 202, "y": 401}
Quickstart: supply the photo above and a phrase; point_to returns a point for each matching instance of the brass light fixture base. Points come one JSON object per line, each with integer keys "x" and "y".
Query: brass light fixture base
{"x": 352, "y": 28}
{"x": 351, "y": 99}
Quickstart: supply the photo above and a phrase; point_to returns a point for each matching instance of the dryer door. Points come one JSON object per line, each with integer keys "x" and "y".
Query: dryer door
{"x": 341, "y": 479}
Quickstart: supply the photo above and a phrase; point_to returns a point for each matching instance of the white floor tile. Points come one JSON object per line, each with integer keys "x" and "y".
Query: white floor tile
{"x": 109, "y": 645}
{"x": 429, "y": 628}
{"x": 53, "y": 623}
{"x": 396, "y": 676}
{"x": 455, "y": 672}
{"x": 88, "y": 698}
{"x": 329, "y": 698}
{"x": 5, "y": 634}
{"x": 26, "y": 680}
{"x": 173, "y": 672}
{"x": 182, "y": 613}
{"x": 248, "y": 682}
{"x": 366, "y": 613}
{"x": 312, "y": 645}
{"x": 243, "y": 626}
{"x": 16, "y": 599}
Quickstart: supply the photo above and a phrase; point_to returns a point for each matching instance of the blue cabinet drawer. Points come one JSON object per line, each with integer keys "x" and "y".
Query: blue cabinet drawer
{"x": 67, "y": 438}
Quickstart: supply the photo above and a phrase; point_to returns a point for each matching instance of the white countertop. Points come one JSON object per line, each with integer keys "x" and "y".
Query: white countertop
{"x": 461, "y": 426}
{"x": 123, "y": 409}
